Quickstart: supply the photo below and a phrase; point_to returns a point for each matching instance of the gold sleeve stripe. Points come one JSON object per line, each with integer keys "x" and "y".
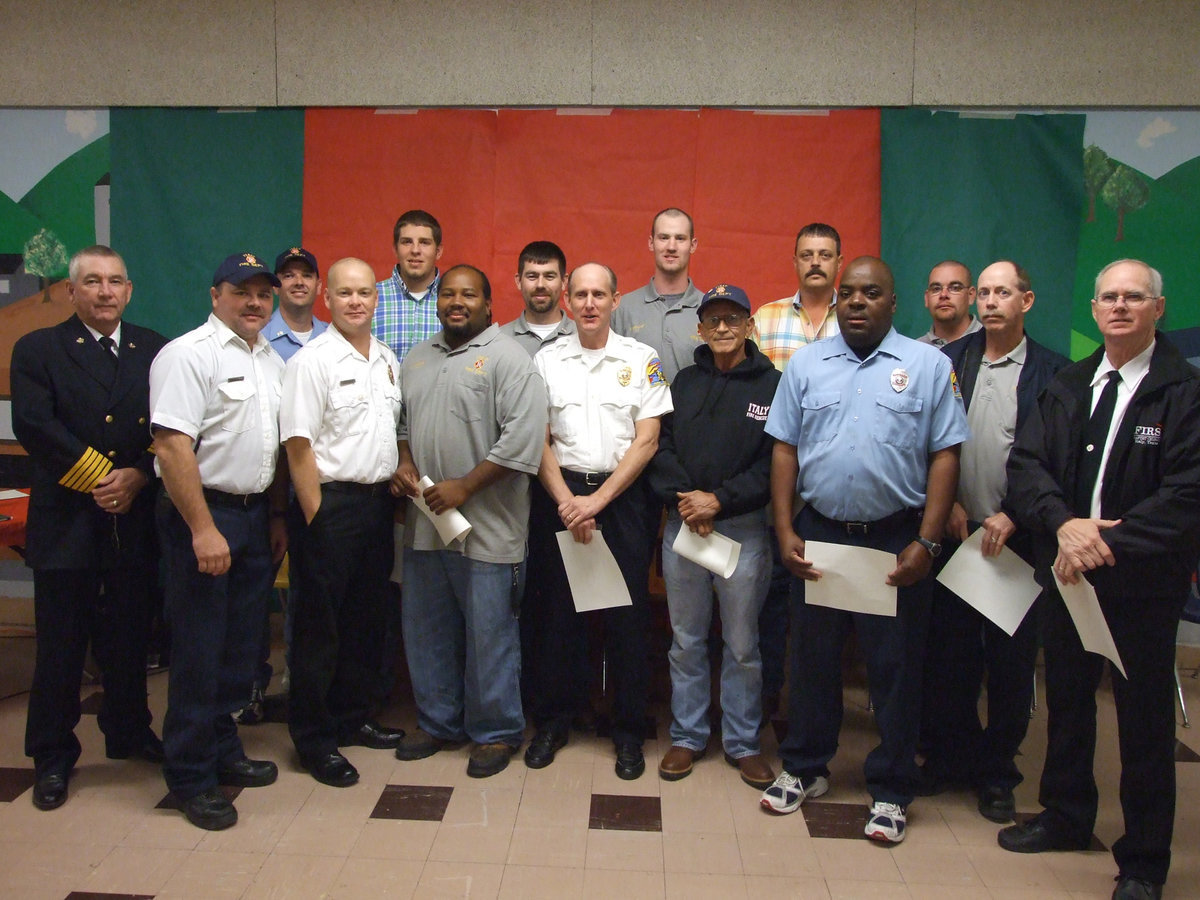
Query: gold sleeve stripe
{"x": 88, "y": 469}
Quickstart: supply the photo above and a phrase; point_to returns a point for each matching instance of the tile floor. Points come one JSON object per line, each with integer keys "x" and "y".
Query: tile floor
{"x": 424, "y": 829}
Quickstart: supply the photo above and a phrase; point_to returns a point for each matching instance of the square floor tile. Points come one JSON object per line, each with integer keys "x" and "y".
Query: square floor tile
{"x": 90, "y": 705}
{"x": 420, "y": 802}
{"x": 620, "y": 813}
{"x": 1184, "y": 753}
{"x": 171, "y": 802}
{"x": 94, "y": 895}
{"x": 834, "y": 820}
{"x": 14, "y": 782}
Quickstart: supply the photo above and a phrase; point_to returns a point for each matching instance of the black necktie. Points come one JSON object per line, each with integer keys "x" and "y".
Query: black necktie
{"x": 1092, "y": 447}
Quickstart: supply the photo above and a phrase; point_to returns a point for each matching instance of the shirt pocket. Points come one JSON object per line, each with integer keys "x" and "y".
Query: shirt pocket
{"x": 467, "y": 400}
{"x": 237, "y": 406}
{"x": 898, "y": 420}
{"x": 350, "y": 409}
{"x": 618, "y": 405}
{"x": 819, "y": 411}
{"x": 566, "y": 414}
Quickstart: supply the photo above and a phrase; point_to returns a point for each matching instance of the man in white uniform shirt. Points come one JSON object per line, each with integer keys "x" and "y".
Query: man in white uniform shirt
{"x": 214, "y": 407}
{"x": 338, "y": 417}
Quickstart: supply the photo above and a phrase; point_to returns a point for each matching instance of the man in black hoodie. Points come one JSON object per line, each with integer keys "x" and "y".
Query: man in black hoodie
{"x": 713, "y": 471}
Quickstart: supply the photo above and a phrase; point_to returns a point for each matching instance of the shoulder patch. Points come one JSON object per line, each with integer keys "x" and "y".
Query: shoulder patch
{"x": 954, "y": 384}
{"x": 654, "y": 372}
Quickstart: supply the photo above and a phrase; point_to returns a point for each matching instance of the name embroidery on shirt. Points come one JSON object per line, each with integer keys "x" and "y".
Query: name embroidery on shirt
{"x": 758, "y": 412}
{"x": 1147, "y": 435}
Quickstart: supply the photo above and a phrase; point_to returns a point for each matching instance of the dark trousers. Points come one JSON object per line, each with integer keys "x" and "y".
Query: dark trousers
{"x": 70, "y": 610}
{"x": 773, "y": 623}
{"x": 963, "y": 645}
{"x": 216, "y": 623}
{"x": 894, "y": 649}
{"x": 1144, "y": 631}
{"x": 342, "y": 562}
{"x": 559, "y": 686}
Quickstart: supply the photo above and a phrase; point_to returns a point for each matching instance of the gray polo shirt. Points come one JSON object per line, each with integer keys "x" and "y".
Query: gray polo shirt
{"x": 992, "y": 417}
{"x": 518, "y": 329}
{"x": 482, "y": 401}
{"x": 671, "y": 330}
{"x": 930, "y": 338}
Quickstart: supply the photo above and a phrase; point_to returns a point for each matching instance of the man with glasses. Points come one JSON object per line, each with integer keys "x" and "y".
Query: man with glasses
{"x": 948, "y": 297}
{"x": 1106, "y": 473}
{"x": 713, "y": 471}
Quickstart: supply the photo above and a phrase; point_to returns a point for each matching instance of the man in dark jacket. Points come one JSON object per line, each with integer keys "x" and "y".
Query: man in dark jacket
{"x": 80, "y": 402}
{"x": 1106, "y": 473}
{"x": 713, "y": 471}
{"x": 1001, "y": 372}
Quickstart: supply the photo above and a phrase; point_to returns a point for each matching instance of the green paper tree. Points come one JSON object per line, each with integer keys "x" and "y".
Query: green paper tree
{"x": 1097, "y": 169}
{"x": 45, "y": 256}
{"x": 1125, "y": 191}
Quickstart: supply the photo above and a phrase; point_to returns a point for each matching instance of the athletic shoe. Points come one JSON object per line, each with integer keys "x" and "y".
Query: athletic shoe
{"x": 788, "y": 792}
{"x": 886, "y": 823}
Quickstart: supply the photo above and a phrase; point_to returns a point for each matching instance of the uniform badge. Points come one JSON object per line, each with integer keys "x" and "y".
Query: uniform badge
{"x": 131, "y": 345}
{"x": 624, "y": 376}
{"x": 79, "y": 340}
{"x": 391, "y": 375}
{"x": 654, "y": 372}
{"x": 956, "y": 388}
{"x": 899, "y": 380}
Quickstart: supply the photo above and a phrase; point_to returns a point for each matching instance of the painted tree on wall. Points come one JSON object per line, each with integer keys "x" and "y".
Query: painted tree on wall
{"x": 1125, "y": 191}
{"x": 45, "y": 256}
{"x": 1097, "y": 169}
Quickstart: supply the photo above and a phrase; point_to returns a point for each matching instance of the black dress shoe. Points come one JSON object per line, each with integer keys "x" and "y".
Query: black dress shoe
{"x": 373, "y": 735}
{"x": 996, "y": 804}
{"x": 630, "y": 762}
{"x": 1131, "y": 888}
{"x": 332, "y": 769}
{"x": 547, "y": 742}
{"x": 210, "y": 810}
{"x": 50, "y": 792}
{"x": 150, "y": 749}
{"x": 1036, "y": 836}
{"x": 247, "y": 773}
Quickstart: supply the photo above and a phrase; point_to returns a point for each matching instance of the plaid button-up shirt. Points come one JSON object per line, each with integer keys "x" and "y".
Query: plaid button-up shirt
{"x": 401, "y": 320}
{"x": 780, "y": 328}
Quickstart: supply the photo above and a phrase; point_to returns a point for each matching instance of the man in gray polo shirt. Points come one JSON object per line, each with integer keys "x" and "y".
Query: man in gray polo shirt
{"x": 663, "y": 313}
{"x": 541, "y": 270}
{"x": 474, "y": 422}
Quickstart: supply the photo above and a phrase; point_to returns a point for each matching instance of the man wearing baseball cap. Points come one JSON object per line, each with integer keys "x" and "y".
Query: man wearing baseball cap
{"x": 293, "y": 325}
{"x": 713, "y": 472}
{"x": 214, "y": 414}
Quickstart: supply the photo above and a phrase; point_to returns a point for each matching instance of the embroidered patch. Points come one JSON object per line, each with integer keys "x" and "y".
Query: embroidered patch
{"x": 624, "y": 376}
{"x": 654, "y": 372}
{"x": 899, "y": 380}
{"x": 478, "y": 367}
{"x": 1147, "y": 435}
{"x": 954, "y": 385}
{"x": 758, "y": 412}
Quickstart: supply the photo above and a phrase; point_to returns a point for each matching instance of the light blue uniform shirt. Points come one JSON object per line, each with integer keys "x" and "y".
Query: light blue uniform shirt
{"x": 864, "y": 429}
{"x": 283, "y": 339}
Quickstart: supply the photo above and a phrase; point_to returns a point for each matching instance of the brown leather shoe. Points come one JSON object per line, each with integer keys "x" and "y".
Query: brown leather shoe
{"x": 677, "y": 763}
{"x": 755, "y": 770}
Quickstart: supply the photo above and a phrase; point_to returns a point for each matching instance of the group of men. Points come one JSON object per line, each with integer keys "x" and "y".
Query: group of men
{"x": 591, "y": 423}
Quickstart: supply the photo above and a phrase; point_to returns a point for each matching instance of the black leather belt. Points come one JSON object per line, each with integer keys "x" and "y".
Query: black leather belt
{"x": 887, "y": 523}
{"x": 357, "y": 488}
{"x": 591, "y": 479}
{"x": 233, "y": 501}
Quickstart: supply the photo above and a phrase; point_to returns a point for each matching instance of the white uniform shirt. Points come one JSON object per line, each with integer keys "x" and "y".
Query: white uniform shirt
{"x": 595, "y": 403}
{"x": 346, "y": 405}
{"x": 224, "y": 395}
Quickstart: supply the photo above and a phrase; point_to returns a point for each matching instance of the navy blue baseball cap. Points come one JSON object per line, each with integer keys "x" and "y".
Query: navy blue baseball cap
{"x": 241, "y": 266}
{"x": 728, "y": 292}
{"x": 296, "y": 253}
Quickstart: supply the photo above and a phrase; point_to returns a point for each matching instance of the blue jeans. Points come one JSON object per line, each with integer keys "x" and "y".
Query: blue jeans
{"x": 463, "y": 645}
{"x": 740, "y": 598}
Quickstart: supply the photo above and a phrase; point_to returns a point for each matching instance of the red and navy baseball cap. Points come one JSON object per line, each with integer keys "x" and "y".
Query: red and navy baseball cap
{"x": 238, "y": 268}
{"x": 296, "y": 253}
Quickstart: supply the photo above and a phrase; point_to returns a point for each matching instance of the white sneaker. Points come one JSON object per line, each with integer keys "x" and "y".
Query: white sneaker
{"x": 788, "y": 792}
{"x": 886, "y": 823}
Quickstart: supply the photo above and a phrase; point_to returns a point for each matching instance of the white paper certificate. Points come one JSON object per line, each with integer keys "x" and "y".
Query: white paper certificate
{"x": 1000, "y": 587}
{"x": 1084, "y": 607}
{"x": 852, "y": 578}
{"x": 715, "y": 552}
{"x": 451, "y": 525}
{"x": 593, "y": 573}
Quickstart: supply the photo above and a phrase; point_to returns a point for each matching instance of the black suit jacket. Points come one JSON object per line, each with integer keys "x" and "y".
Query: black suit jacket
{"x": 78, "y": 421}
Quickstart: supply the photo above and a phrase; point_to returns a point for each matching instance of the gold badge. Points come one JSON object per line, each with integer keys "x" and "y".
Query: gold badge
{"x": 79, "y": 340}
{"x": 131, "y": 345}
{"x": 624, "y": 376}
{"x": 391, "y": 375}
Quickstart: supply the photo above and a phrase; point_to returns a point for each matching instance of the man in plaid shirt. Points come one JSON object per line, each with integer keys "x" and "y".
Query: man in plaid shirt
{"x": 784, "y": 326}
{"x": 407, "y": 310}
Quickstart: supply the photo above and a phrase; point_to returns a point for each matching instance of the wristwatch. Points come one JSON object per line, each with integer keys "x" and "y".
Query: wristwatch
{"x": 935, "y": 550}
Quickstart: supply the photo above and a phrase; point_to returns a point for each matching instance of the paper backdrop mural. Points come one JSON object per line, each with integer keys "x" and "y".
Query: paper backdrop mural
{"x": 1061, "y": 193}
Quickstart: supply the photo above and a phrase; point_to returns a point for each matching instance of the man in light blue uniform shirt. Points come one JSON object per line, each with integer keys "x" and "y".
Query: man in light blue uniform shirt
{"x": 293, "y": 324}
{"x": 867, "y": 427}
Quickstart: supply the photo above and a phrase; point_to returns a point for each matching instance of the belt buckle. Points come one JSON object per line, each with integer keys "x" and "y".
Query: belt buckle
{"x": 593, "y": 479}
{"x": 857, "y": 528}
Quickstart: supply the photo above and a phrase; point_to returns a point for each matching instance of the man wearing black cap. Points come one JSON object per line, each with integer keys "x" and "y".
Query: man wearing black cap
{"x": 214, "y": 406}
{"x": 293, "y": 325}
{"x": 713, "y": 472}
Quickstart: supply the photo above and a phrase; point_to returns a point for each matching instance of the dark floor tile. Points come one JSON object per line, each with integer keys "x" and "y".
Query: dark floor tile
{"x": 15, "y": 782}
{"x": 98, "y": 895}
{"x": 90, "y": 705}
{"x": 421, "y": 802}
{"x": 621, "y": 813}
{"x": 170, "y": 802}
{"x": 1184, "y": 753}
{"x": 834, "y": 820}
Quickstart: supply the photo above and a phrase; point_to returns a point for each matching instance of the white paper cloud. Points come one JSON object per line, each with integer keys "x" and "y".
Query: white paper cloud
{"x": 82, "y": 122}
{"x": 1153, "y": 132}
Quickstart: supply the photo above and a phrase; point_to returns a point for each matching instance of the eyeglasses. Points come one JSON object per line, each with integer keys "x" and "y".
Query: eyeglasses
{"x": 954, "y": 287}
{"x": 1131, "y": 298}
{"x": 733, "y": 320}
